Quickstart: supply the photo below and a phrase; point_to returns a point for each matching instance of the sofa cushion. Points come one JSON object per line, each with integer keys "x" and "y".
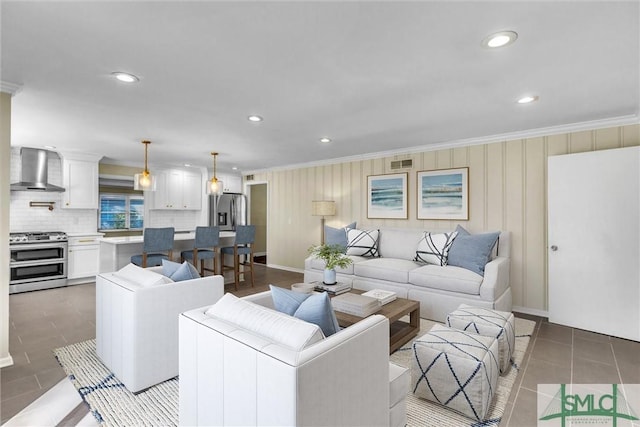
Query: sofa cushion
{"x": 141, "y": 276}
{"x": 399, "y": 243}
{"x": 337, "y": 236}
{"x": 313, "y": 308}
{"x": 391, "y": 269}
{"x": 315, "y": 263}
{"x": 472, "y": 251}
{"x": 265, "y": 322}
{"x": 448, "y": 278}
{"x": 433, "y": 248}
{"x": 363, "y": 242}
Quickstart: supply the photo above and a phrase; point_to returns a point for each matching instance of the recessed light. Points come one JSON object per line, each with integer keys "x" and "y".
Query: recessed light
{"x": 499, "y": 39}
{"x": 325, "y": 140}
{"x": 527, "y": 99}
{"x": 125, "y": 77}
{"x": 187, "y": 165}
{"x": 235, "y": 168}
{"x": 254, "y": 118}
{"x": 50, "y": 147}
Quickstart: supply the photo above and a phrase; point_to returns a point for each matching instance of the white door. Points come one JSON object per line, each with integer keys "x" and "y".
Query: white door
{"x": 594, "y": 241}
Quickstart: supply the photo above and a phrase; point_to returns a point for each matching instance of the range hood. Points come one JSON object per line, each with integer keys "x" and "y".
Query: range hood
{"x": 35, "y": 171}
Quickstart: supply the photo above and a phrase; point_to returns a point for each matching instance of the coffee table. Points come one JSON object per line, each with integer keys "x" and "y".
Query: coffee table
{"x": 400, "y": 332}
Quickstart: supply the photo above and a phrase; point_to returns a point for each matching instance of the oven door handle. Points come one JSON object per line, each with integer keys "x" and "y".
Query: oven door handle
{"x": 37, "y": 262}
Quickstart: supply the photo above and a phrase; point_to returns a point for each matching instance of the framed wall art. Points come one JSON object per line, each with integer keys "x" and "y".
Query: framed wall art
{"x": 443, "y": 194}
{"x": 387, "y": 196}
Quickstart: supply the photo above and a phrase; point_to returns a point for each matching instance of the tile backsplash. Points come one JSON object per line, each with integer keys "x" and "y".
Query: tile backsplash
{"x": 25, "y": 218}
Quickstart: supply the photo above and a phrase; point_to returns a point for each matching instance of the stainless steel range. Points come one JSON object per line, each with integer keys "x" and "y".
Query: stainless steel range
{"x": 38, "y": 261}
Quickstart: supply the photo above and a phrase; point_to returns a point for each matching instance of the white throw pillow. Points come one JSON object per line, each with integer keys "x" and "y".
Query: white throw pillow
{"x": 141, "y": 276}
{"x": 434, "y": 248}
{"x": 270, "y": 324}
{"x": 363, "y": 242}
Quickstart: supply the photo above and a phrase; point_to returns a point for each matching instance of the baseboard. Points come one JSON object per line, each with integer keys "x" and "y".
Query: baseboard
{"x": 6, "y": 361}
{"x": 282, "y": 267}
{"x": 255, "y": 254}
{"x": 532, "y": 311}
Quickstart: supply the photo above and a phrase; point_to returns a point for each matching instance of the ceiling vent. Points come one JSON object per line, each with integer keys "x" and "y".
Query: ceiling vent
{"x": 248, "y": 177}
{"x": 401, "y": 164}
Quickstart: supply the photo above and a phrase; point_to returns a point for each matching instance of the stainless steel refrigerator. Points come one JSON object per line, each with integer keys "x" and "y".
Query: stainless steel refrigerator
{"x": 228, "y": 211}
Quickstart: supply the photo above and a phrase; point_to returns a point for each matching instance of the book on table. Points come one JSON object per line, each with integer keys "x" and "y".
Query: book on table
{"x": 335, "y": 289}
{"x": 355, "y": 304}
{"x": 385, "y": 297}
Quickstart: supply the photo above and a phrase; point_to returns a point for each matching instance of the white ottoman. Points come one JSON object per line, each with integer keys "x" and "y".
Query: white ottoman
{"x": 490, "y": 323}
{"x": 456, "y": 369}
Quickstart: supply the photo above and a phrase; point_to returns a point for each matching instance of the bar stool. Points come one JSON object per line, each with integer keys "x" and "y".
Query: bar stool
{"x": 155, "y": 241}
{"x": 206, "y": 237}
{"x": 243, "y": 245}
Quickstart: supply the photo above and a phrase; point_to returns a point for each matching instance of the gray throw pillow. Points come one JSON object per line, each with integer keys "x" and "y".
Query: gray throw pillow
{"x": 472, "y": 251}
{"x": 337, "y": 236}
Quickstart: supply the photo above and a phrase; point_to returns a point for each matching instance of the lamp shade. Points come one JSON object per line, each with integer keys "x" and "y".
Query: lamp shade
{"x": 323, "y": 208}
{"x": 144, "y": 181}
{"x": 215, "y": 187}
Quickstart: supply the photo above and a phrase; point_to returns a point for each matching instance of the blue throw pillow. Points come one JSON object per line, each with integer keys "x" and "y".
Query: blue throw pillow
{"x": 169, "y": 267}
{"x": 186, "y": 271}
{"x": 286, "y": 301}
{"x": 337, "y": 236}
{"x": 472, "y": 251}
{"x": 312, "y": 308}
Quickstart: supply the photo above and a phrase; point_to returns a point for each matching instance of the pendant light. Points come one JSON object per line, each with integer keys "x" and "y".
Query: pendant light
{"x": 144, "y": 181}
{"x": 214, "y": 185}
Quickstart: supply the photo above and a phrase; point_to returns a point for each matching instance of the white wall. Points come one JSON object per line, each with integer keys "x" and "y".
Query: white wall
{"x": 507, "y": 185}
{"x": 5, "y": 150}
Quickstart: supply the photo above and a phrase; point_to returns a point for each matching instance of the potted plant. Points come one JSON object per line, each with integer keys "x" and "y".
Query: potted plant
{"x": 333, "y": 256}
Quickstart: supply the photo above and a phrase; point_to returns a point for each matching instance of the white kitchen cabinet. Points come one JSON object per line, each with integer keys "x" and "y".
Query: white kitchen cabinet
{"x": 231, "y": 183}
{"x": 83, "y": 258}
{"x": 178, "y": 189}
{"x": 80, "y": 180}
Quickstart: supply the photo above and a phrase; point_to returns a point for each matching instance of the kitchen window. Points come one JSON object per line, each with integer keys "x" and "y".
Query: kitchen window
{"x": 121, "y": 212}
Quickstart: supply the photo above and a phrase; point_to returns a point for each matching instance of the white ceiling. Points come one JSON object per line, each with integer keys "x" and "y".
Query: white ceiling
{"x": 373, "y": 76}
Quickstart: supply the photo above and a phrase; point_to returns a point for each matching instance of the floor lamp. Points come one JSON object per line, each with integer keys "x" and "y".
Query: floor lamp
{"x": 323, "y": 208}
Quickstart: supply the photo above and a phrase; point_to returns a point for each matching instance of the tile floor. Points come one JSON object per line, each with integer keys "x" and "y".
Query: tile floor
{"x": 43, "y": 320}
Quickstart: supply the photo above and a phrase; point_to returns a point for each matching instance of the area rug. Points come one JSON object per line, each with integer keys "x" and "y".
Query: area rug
{"x": 113, "y": 405}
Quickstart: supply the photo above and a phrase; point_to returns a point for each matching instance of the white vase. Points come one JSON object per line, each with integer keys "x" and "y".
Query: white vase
{"x": 329, "y": 276}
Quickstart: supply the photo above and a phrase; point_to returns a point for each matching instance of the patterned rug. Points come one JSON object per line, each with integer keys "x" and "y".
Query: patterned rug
{"x": 113, "y": 405}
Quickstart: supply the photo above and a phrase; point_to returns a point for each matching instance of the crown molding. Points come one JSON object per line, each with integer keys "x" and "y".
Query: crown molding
{"x": 10, "y": 88}
{"x": 631, "y": 119}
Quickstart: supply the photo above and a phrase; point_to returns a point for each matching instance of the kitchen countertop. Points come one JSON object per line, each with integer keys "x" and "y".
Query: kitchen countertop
{"x": 88, "y": 233}
{"x": 124, "y": 240}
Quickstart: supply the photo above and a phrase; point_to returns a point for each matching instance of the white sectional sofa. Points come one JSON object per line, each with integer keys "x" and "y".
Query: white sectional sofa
{"x": 244, "y": 363}
{"x": 440, "y": 289}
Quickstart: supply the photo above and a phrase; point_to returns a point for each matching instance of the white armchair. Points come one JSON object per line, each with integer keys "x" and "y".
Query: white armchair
{"x": 238, "y": 375}
{"x": 137, "y": 325}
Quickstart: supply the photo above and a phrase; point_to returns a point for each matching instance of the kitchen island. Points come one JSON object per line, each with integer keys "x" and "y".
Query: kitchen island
{"x": 116, "y": 252}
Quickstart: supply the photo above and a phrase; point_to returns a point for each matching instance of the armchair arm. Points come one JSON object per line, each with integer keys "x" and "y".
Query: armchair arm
{"x": 496, "y": 278}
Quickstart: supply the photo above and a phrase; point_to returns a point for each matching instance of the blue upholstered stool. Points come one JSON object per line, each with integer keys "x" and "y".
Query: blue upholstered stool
{"x": 156, "y": 242}
{"x": 243, "y": 245}
{"x": 204, "y": 248}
